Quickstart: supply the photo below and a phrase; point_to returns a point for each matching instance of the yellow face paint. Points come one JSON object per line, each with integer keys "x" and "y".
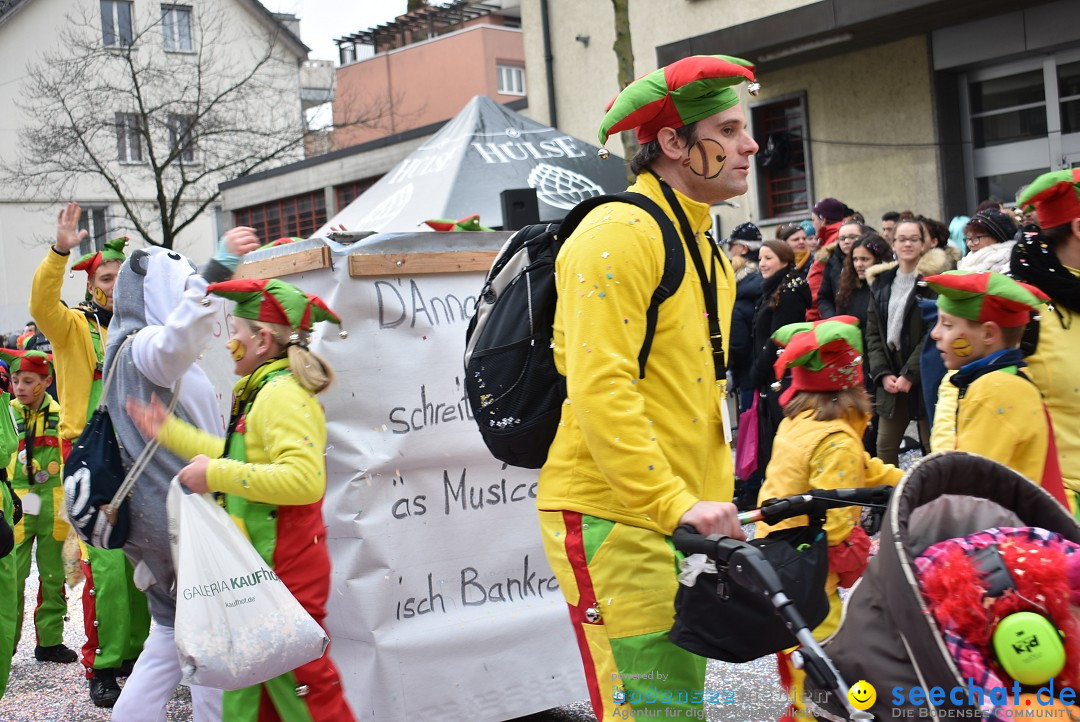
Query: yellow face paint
{"x": 236, "y": 349}
{"x": 37, "y": 389}
{"x": 706, "y": 158}
{"x": 962, "y": 347}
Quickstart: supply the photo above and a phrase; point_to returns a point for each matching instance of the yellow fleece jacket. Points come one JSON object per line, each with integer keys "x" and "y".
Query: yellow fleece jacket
{"x": 1001, "y": 417}
{"x": 1055, "y": 368}
{"x": 68, "y": 331}
{"x": 285, "y": 441}
{"x": 810, "y": 454}
{"x": 636, "y": 451}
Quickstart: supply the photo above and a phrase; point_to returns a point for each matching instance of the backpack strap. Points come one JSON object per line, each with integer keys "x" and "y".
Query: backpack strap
{"x": 674, "y": 260}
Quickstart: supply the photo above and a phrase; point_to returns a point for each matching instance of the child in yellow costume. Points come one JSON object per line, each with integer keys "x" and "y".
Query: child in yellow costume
{"x": 35, "y": 473}
{"x": 819, "y": 446}
{"x": 999, "y": 411}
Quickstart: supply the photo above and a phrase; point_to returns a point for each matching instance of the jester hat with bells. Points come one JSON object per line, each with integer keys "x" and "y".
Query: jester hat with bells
{"x": 676, "y": 95}
{"x": 982, "y": 297}
{"x": 823, "y": 355}
{"x": 1054, "y": 196}
{"x": 113, "y": 251}
{"x": 275, "y": 301}
{"x": 37, "y": 362}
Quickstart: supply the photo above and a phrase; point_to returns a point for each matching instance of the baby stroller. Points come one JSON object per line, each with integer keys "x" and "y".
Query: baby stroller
{"x": 739, "y": 601}
{"x": 887, "y": 636}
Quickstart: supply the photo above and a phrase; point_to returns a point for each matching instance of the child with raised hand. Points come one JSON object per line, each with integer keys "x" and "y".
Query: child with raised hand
{"x": 271, "y": 468}
{"x": 999, "y": 411}
{"x": 819, "y": 445}
{"x": 35, "y": 474}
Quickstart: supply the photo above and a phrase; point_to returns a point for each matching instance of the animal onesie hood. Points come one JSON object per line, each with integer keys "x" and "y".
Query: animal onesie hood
{"x": 158, "y": 302}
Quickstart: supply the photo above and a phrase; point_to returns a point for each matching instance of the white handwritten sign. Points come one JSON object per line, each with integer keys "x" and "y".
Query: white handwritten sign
{"x": 442, "y": 602}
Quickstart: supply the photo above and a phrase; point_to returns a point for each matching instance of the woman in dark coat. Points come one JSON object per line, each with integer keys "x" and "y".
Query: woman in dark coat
{"x": 747, "y": 294}
{"x": 895, "y": 331}
{"x": 852, "y": 298}
{"x": 785, "y": 297}
{"x": 834, "y": 257}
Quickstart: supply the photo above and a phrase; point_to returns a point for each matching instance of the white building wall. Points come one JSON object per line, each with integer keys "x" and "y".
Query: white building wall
{"x": 27, "y": 228}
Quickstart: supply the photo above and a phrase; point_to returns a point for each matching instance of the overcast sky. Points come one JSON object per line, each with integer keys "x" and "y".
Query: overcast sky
{"x": 321, "y": 21}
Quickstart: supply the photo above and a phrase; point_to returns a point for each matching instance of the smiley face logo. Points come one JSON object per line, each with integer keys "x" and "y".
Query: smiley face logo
{"x": 862, "y": 695}
{"x": 236, "y": 349}
{"x": 962, "y": 347}
{"x": 100, "y": 298}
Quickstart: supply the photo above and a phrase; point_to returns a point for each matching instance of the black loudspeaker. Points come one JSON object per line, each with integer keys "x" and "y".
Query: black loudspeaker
{"x": 519, "y": 208}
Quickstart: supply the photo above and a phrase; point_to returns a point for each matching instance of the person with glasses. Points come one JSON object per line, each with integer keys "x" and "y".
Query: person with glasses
{"x": 832, "y": 259}
{"x": 896, "y": 330}
{"x": 990, "y": 237}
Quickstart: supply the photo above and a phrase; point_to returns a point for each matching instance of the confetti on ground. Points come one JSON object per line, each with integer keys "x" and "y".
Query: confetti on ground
{"x": 47, "y": 692}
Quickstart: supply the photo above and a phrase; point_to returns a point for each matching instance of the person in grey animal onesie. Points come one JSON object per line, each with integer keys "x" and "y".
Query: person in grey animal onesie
{"x": 160, "y": 303}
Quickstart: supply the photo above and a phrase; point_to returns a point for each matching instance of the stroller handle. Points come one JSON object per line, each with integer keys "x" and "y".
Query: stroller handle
{"x": 744, "y": 562}
{"x": 816, "y": 502}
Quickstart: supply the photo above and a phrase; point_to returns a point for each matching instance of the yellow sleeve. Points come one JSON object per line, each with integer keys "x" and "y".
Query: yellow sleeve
{"x": 53, "y": 318}
{"x": 286, "y": 461}
{"x": 837, "y": 463}
{"x": 187, "y": 441}
{"x": 606, "y": 276}
{"x": 877, "y": 472}
{"x": 943, "y": 435}
{"x": 1004, "y": 424}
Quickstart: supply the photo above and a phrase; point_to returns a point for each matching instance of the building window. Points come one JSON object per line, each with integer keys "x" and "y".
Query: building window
{"x": 93, "y": 222}
{"x": 1007, "y": 109}
{"x": 297, "y": 216}
{"x": 180, "y": 137}
{"x": 176, "y": 27}
{"x": 346, "y": 193}
{"x": 511, "y": 79}
{"x": 116, "y": 23}
{"x": 1020, "y": 119}
{"x": 128, "y": 138}
{"x": 783, "y": 168}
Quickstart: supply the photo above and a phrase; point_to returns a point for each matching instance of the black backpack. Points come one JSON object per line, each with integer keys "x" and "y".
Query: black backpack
{"x": 514, "y": 390}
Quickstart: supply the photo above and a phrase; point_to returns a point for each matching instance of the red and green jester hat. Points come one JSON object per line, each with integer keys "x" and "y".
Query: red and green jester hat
{"x": 822, "y": 355}
{"x": 1054, "y": 196}
{"x": 274, "y": 301}
{"x": 677, "y": 95}
{"x": 981, "y": 297}
{"x": 37, "y": 362}
{"x": 113, "y": 251}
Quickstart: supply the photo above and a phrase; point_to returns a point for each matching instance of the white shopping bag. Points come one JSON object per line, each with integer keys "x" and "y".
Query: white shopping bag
{"x": 236, "y": 623}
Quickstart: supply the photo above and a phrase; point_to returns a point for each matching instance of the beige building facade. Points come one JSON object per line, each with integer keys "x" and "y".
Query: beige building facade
{"x": 886, "y": 105}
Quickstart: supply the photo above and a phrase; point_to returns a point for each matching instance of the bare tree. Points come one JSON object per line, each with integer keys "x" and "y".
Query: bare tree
{"x": 160, "y": 129}
{"x": 624, "y": 56}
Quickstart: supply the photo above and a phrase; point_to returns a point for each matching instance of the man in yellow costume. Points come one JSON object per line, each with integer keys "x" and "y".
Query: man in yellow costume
{"x": 640, "y": 451}
{"x": 115, "y": 614}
